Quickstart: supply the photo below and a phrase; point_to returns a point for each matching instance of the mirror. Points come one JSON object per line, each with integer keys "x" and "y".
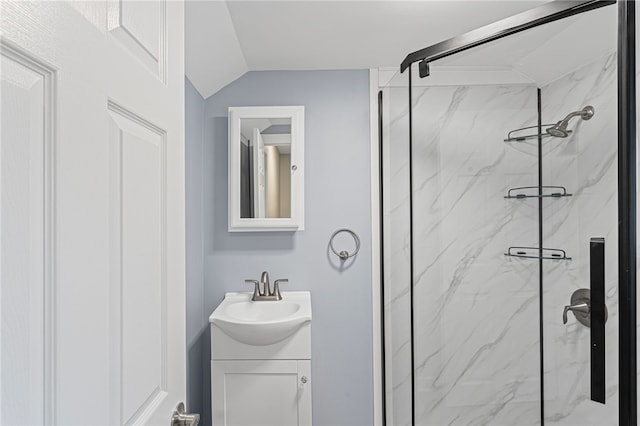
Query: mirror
{"x": 265, "y": 168}
{"x": 265, "y": 163}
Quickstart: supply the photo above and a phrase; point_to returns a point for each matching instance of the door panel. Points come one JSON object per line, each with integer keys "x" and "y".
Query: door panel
{"x": 138, "y": 192}
{"x": 141, "y": 28}
{"x": 118, "y": 219}
{"x": 25, "y": 299}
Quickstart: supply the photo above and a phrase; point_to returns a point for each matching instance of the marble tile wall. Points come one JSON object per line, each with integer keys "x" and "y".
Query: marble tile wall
{"x": 476, "y": 311}
{"x": 476, "y": 334}
{"x": 585, "y": 162}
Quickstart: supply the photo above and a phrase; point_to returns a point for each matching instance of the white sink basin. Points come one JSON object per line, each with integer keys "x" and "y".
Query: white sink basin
{"x": 265, "y": 322}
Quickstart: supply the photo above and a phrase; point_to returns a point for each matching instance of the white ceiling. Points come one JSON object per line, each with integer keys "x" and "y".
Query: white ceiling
{"x": 225, "y": 39}
{"x": 544, "y": 54}
{"x": 213, "y": 55}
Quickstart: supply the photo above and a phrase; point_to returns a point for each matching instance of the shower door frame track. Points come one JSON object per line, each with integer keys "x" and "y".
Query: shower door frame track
{"x": 627, "y": 214}
{"x": 627, "y": 246}
{"x": 535, "y": 17}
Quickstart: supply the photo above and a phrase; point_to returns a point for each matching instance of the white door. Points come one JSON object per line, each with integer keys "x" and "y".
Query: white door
{"x": 92, "y": 219}
{"x": 259, "y": 178}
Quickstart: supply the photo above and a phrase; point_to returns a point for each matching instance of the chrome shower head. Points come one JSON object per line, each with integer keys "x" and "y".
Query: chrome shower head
{"x": 559, "y": 130}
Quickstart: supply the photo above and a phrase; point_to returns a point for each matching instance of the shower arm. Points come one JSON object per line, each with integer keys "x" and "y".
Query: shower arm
{"x": 585, "y": 113}
{"x": 571, "y": 115}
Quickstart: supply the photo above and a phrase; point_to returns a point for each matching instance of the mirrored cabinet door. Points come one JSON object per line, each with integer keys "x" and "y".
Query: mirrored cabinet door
{"x": 266, "y": 178}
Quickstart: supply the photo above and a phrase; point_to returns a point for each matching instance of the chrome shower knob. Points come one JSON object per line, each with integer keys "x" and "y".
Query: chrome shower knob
{"x": 581, "y": 308}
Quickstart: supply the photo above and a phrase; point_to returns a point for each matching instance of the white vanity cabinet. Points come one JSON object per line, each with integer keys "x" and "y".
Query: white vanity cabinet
{"x": 261, "y": 392}
{"x": 258, "y": 384}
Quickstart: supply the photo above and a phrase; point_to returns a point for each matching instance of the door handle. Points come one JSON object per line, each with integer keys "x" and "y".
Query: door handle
{"x": 598, "y": 319}
{"x": 582, "y": 308}
{"x": 181, "y": 418}
{"x": 590, "y": 310}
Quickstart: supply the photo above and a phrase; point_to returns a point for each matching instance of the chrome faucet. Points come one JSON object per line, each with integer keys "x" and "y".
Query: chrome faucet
{"x": 266, "y": 293}
{"x": 266, "y": 288}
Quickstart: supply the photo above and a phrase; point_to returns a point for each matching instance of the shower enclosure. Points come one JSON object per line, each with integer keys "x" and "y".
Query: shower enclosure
{"x": 506, "y": 228}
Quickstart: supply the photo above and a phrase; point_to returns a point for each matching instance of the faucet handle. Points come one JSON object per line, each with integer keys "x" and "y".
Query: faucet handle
{"x": 582, "y": 308}
{"x": 276, "y": 287}
{"x": 256, "y": 287}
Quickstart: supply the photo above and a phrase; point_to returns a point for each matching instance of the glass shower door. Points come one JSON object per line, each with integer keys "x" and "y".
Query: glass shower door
{"x": 581, "y": 360}
{"x": 476, "y": 328}
{"x": 508, "y": 236}
{"x": 398, "y": 378}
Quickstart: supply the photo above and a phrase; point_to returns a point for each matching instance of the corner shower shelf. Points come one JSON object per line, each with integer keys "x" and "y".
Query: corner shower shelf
{"x": 558, "y": 191}
{"x": 534, "y": 253}
{"x": 525, "y": 137}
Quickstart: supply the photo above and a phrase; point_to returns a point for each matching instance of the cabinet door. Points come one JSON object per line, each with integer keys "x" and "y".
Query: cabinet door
{"x": 264, "y": 393}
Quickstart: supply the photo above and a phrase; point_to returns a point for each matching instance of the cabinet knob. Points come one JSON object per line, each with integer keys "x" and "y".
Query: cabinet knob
{"x": 304, "y": 379}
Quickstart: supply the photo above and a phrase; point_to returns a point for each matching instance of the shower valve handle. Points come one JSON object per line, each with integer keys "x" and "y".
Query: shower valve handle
{"x": 583, "y": 308}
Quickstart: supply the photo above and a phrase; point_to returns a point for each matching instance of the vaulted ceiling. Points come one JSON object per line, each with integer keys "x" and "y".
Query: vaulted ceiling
{"x": 225, "y": 39}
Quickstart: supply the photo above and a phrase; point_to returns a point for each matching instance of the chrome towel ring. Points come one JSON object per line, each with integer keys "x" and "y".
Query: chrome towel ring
{"x": 343, "y": 254}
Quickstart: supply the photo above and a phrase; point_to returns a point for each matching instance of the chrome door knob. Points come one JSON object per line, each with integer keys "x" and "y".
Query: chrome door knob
{"x": 180, "y": 418}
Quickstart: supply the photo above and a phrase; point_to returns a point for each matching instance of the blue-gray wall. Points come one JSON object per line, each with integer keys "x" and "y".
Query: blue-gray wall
{"x": 196, "y": 328}
{"x": 337, "y": 195}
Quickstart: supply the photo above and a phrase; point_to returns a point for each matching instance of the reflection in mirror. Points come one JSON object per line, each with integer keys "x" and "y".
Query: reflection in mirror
{"x": 266, "y": 168}
{"x": 265, "y": 164}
